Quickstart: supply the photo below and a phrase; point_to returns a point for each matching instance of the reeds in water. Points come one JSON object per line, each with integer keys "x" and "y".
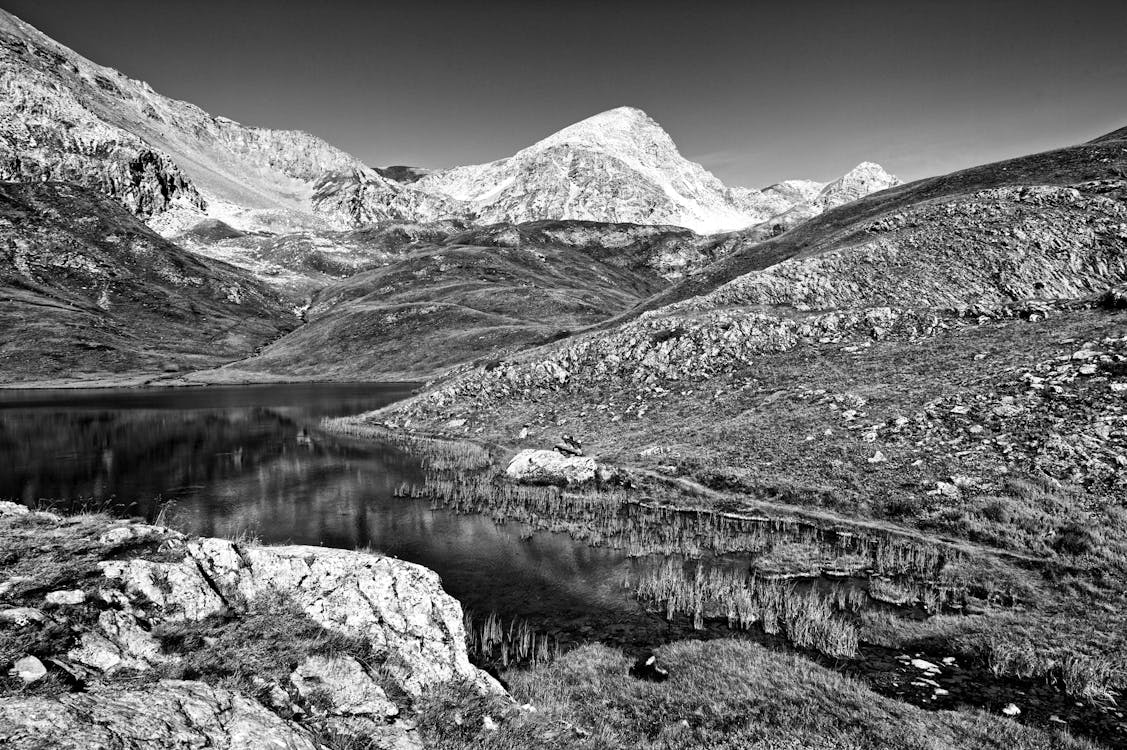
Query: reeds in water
{"x": 805, "y": 617}
{"x": 490, "y": 640}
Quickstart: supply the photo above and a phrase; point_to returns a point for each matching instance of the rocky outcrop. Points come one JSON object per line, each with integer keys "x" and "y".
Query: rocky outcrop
{"x": 410, "y": 631}
{"x": 169, "y": 714}
{"x": 397, "y": 607}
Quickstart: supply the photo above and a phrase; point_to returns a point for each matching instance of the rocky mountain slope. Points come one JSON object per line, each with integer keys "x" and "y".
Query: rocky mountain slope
{"x": 87, "y": 288}
{"x": 63, "y": 117}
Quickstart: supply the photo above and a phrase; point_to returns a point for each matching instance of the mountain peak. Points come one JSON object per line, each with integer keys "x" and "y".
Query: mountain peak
{"x": 611, "y": 130}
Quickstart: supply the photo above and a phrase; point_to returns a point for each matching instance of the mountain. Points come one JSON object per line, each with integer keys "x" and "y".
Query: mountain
{"x": 87, "y": 289}
{"x": 617, "y": 166}
{"x": 63, "y": 117}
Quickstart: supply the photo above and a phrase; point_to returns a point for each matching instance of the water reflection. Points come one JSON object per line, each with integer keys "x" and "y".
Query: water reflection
{"x": 230, "y": 461}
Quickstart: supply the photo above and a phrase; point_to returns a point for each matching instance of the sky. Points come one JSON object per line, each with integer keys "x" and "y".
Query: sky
{"x": 755, "y": 91}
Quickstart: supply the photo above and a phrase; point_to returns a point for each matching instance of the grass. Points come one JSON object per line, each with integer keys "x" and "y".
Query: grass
{"x": 1033, "y": 528}
{"x": 720, "y": 694}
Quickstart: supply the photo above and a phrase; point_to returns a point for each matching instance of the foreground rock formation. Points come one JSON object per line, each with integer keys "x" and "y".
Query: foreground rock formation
{"x": 353, "y": 640}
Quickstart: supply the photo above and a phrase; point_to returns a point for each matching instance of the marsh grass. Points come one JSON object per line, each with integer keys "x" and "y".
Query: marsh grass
{"x": 435, "y": 454}
{"x": 804, "y": 616}
{"x": 489, "y": 640}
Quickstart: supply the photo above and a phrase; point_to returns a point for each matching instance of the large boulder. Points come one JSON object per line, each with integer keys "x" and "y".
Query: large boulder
{"x": 398, "y": 607}
{"x": 549, "y": 467}
{"x": 169, "y": 714}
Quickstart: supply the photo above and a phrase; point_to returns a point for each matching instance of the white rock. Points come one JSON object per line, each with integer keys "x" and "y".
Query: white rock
{"x": 29, "y": 669}
{"x": 398, "y": 607}
{"x": 73, "y": 596}
{"x": 549, "y": 467}
{"x": 20, "y": 616}
{"x": 169, "y": 714}
{"x": 924, "y": 665}
{"x": 346, "y": 684}
{"x": 1011, "y": 710}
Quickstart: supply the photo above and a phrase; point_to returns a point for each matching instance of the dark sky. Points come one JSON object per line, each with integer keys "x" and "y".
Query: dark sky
{"x": 756, "y": 91}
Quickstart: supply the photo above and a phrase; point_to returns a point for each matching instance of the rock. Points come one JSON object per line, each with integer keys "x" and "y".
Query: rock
{"x": 398, "y": 607}
{"x": 344, "y": 683}
{"x": 8, "y": 508}
{"x": 924, "y": 665}
{"x": 877, "y": 458}
{"x": 488, "y": 724}
{"x": 1011, "y": 710}
{"x": 74, "y": 596}
{"x": 122, "y": 643}
{"x": 647, "y": 668}
{"x": 169, "y": 714}
{"x": 20, "y": 616}
{"x": 29, "y": 669}
{"x": 549, "y": 467}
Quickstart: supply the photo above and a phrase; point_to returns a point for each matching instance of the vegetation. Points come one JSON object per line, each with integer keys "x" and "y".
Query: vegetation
{"x": 720, "y": 694}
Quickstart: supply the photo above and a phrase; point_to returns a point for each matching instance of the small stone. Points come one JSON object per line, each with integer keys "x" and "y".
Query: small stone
{"x": 1011, "y": 710}
{"x": 21, "y": 616}
{"x": 1087, "y": 369}
{"x": 924, "y": 665}
{"x": 29, "y": 669}
{"x": 116, "y": 535}
{"x": 488, "y": 724}
{"x": 877, "y": 458}
{"x": 74, "y": 596}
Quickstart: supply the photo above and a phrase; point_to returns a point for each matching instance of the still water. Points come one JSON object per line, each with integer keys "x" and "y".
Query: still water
{"x": 226, "y": 461}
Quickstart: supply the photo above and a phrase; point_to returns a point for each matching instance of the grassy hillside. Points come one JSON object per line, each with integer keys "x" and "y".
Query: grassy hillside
{"x": 441, "y": 306}
{"x": 945, "y": 360}
{"x": 85, "y": 288}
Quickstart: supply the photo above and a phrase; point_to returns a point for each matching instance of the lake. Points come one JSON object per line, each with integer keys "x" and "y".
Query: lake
{"x": 249, "y": 460}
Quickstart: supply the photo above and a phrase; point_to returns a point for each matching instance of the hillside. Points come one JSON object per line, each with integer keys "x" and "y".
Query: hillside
{"x": 945, "y": 359}
{"x": 440, "y": 304}
{"x": 87, "y": 289}
{"x": 846, "y": 225}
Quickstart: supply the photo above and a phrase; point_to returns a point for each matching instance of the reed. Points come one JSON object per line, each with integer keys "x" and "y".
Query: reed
{"x": 490, "y": 640}
{"x": 805, "y": 617}
{"x": 435, "y": 454}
